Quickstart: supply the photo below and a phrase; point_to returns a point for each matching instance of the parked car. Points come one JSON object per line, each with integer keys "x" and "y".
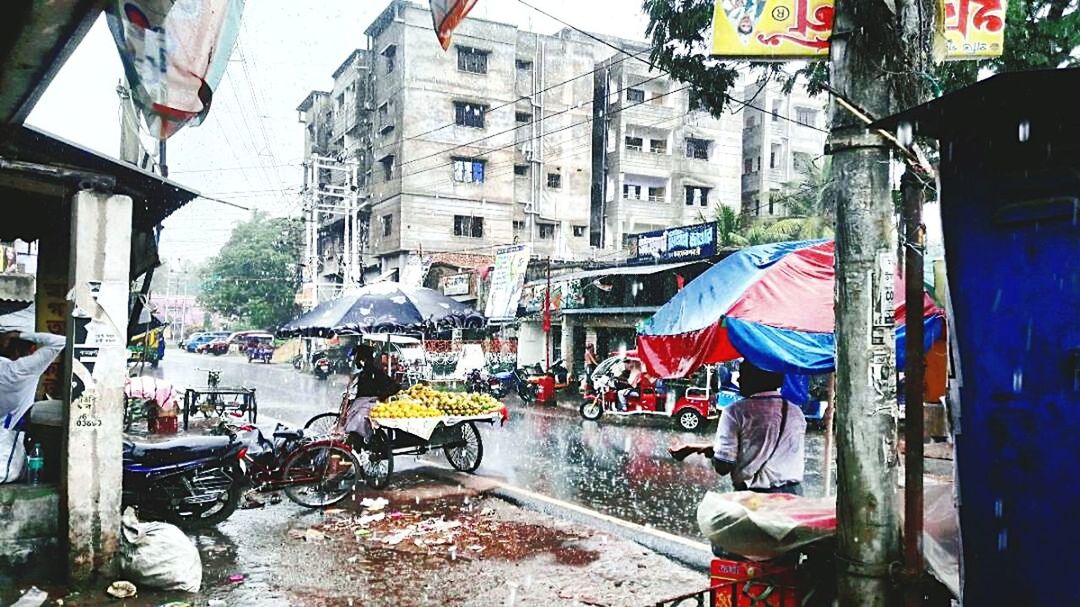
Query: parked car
{"x": 217, "y": 347}
{"x": 193, "y": 343}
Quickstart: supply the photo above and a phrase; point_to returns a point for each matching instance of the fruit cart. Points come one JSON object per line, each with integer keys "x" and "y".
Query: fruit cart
{"x": 418, "y": 421}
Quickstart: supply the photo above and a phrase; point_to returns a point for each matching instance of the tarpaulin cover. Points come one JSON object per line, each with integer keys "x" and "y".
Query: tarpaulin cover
{"x": 384, "y": 307}
{"x": 772, "y": 304}
{"x": 763, "y": 526}
{"x": 174, "y": 54}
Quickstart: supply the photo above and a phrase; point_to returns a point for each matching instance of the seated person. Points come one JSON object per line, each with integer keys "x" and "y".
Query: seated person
{"x": 632, "y": 380}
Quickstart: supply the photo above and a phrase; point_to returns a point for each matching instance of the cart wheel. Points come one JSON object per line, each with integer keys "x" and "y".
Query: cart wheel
{"x": 591, "y": 410}
{"x": 320, "y": 475}
{"x": 689, "y": 419}
{"x": 465, "y": 454}
{"x": 377, "y": 462}
{"x": 321, "y": 425}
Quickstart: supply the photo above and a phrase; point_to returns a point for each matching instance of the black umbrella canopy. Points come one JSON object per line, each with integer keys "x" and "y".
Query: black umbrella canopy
{"x": 384, "y": 307}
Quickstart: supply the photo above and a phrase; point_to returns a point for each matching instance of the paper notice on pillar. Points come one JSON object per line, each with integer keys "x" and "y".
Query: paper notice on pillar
{"x": 100, "y": 314}
{"x": 507, "y": 280}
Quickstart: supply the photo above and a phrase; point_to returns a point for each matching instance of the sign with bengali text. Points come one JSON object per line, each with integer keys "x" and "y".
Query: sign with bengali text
{"x": 787, "y": 29}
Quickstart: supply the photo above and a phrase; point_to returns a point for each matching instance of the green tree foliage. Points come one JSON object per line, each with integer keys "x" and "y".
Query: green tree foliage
{"x": 254, "y": 277}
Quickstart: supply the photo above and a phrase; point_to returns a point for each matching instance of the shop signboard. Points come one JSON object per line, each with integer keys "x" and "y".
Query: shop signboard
{"x": 674, "y": 244}
{"x": 455, "y": 284}
{"x": 786, "y": 29}
{"x": 507, "y": 280}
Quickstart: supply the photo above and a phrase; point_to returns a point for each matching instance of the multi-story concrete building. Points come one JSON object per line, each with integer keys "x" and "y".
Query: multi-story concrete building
{"x": 779, "y": 141}
{"x": 668, "y": 163}
{"x": 497, "y": 140}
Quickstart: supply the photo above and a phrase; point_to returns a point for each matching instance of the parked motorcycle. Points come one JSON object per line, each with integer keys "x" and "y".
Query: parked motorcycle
{"x": 192, "y": 481}
{"x": 500, "y": 385}
{"x": 323, "y": 364}
{"x": 477, "y": 381}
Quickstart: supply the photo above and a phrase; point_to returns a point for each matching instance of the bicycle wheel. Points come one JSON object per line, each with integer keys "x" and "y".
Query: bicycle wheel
{"x": 319, "y": 475}
{"x": 378, "y": 462}
{"x": 466, "y": 451}
{"x": 321, "y": 425}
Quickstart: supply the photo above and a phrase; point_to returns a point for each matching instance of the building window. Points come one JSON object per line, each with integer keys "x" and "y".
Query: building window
{"x": 580, "y": 231}
{"x": 387, "y": 163}
{"x": 634, "y": 143}
{"x": 469, "y": 114}
{"x": 697, "y": 148}
{"x": 521, "y": 170}
{"x": 805, "y": 116}
{"x": 524, "y": 67}
{"x": 547, "y": 231}
{"x": 775, "y": 156}
{"x": 776, "y": 111}
{"x": 748, "y": 166}
{"x": 390, "y": 55}
{"x": 387, "y": 224}
{"x": 519, "y": 226}
{"x": 658, "y": 146}
{"x": 657, "y": 195}
{"x": 631, "y": 191}
{"x": 468, "y": 170}
{"x": 523, "y": 117}
{"x": 474, "y": 61}
{"x": 635, "y": 95}
{"x": 554, "y": 181}
{"x": 697, "y": 195}
{"x": 770, "y": 204}
{"x": 772, "y": 159}
{"x": 468, "y": 226}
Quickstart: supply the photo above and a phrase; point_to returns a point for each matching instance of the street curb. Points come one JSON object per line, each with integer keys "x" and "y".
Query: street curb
{"x": 695, "y": 555}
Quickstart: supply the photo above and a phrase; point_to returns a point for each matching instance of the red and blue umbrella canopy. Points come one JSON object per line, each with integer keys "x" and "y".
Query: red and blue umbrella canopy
{"x": 772, "y": 304}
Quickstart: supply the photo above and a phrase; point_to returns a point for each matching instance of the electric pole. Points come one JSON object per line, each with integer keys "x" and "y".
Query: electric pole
{"x": 877, "y": 52}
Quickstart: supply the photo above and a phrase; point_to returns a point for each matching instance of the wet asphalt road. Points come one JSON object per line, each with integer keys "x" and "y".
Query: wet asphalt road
{"x": 617, "y": 467}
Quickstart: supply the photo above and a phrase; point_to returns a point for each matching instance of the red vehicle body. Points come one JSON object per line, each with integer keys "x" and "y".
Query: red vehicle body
{"x": 689, "y": 410}
{"x": 216, "y": 347}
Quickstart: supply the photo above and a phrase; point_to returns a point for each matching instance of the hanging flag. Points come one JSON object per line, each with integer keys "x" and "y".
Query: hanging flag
{"x": 174, "y": 54}
{"x": 547, "y": 310}
{"x": 447, "y": 15}
{"x": 680, "y": 282}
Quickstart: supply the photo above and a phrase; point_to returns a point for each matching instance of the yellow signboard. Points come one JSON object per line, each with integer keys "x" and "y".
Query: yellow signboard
{"x": 786, "y": 29}
{"x": 974, "y": 29}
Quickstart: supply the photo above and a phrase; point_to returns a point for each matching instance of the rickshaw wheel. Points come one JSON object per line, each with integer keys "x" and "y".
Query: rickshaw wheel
{"x": 322, "y": 424}
{"x": 466, "y": 454}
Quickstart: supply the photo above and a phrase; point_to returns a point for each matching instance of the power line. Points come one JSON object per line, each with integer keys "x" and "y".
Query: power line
{"x": 236, "y": 168}
{"x": 522, "y": 125}
{"x": 551, "y": 132}
{"x": 657, "y": 68}
{"x": 525, "y": 98}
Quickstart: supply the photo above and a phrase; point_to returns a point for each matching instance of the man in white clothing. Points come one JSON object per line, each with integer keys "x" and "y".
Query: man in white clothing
{"x": 21, "y": 365}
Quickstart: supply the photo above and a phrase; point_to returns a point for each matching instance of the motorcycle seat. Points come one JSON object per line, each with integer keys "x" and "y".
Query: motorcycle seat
{"x": 176, "y": 450}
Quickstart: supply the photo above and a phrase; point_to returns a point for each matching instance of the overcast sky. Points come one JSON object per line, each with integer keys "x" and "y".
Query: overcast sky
{"x": 249, "y": 148}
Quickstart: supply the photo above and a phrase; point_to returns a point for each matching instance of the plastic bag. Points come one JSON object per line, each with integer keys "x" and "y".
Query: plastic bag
{"x": 12, "y": 455}
{"x": 763, "y": 526}
{"x": 158, "y": 555}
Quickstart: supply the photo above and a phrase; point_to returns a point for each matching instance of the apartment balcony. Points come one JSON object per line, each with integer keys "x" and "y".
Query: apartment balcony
{"x": 638, "y": 160}
{"x": 645, "y": 113}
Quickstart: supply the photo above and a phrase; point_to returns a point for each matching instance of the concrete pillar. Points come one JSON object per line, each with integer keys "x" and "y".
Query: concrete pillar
{"x": 567, "y": 345}
{"x": 97, "y": 359}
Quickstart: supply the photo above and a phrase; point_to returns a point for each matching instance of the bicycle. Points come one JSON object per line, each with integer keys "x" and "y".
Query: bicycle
{"x": 210, "y": 401}
{"x": 314, "y": 472}
{"x": 377, "y": 459}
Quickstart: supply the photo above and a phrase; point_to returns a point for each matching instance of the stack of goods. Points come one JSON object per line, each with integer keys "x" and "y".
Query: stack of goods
{"x": 404, "y": 408}
{"x": 450, "y": 403}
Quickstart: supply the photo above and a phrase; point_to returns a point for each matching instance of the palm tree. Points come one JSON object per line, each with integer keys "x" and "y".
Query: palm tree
{"x": 809, "y": 205}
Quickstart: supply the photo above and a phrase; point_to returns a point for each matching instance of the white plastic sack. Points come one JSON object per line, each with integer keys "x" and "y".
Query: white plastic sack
{"x": 12, "y": 455}
{"x": 763, "y": 526}
{"x": 158, "y": 555}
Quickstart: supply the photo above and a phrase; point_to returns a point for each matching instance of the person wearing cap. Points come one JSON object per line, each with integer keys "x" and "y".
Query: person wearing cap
{"x": 369, "y": 384}
{"x": 24, "y": 356}
{"x": 760, "y": 440}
